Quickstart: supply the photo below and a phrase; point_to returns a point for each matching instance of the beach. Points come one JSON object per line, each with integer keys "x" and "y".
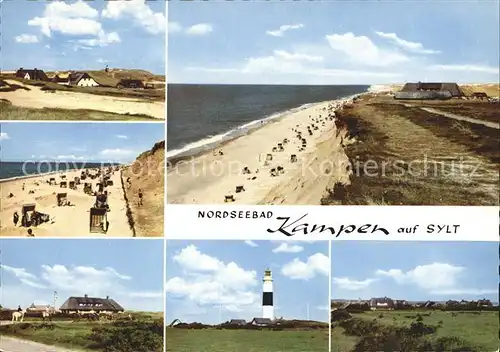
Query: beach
{"x": 65, "y": 221}
{"x": 213, "y": 177}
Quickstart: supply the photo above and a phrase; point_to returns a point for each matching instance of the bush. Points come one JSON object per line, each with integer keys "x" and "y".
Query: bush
{"x": 128, "y": 337}
{"x": 339, "y": 315}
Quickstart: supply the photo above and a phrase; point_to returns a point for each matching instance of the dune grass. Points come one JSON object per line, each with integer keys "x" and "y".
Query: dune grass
{"x": 479, "y": 329}
{"x": 212, "y": 340}
{"x": 11, "y": 112}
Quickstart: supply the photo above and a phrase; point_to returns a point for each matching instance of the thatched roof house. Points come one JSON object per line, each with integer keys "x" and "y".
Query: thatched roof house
{"x": 381, "y": 303}
{"x": 87, "y": 303}
{"x": 32, "y": 74}
{"x": 237, "y": 322}
{"x": 429, "y": 90}
{"x": 261, "y": 321}
{"x": 130, "y": 83}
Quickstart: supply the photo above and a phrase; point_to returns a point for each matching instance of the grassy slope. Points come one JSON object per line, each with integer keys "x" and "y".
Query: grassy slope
{"x": 208, "y": 340}
{"x": 477, "y": 329}
{"x": 11, "y": 112}
{"x": 147, "y": 173}
{"x": 394, "y": 136}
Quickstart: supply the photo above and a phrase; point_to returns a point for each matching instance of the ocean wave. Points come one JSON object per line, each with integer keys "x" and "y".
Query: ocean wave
{"x": 210, "y": 142}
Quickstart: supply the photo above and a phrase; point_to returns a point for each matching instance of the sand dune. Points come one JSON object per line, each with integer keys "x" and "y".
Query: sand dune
{"x": 65, "y": 221}
{"x": 208, "y": 178}
{"x": 36, "y": 98}
{"x": 148, "y": 174}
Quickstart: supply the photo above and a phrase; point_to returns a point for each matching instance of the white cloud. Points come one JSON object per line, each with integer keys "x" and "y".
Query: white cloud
{"x": 251, "y": 243}
{"x": 24, "y": 276}
{"x": 209, "y": 281}
{"x": 4, "y": 136}
{"x": 139, "y": 11}
{"x": 288, "y": 248}
{"x": 281, "y": 31}
{"x": 345, "y": 283}
{"x": 103, "y": 39}
{"x": 429, "y": 277}
{"x": 116, "y": 153}
{"x": 71, "y": 19}
{"x": 26, "y": 39}
{"x": 199, "y": 29}
{"x": 297, "y": 56}
{"x": 69, "y": 157}
{"x": 469, "y": 68}
{"x": 317, "y": 264}
{"x": 361, "y": 50}
{"x": 174, "y": 27}
{"x": 121, "y": 136}
{"x": 407, "y": 45}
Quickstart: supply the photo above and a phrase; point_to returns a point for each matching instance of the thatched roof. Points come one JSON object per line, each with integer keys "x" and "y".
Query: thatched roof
{"x": 91, "y": 303}
{"x": 35, "y": 74}
{"x": 433, "y": 86}
{"x": 262, "y": 321}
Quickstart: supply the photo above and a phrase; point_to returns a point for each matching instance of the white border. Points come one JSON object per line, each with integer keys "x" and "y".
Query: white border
{"x": 478, "y": 223}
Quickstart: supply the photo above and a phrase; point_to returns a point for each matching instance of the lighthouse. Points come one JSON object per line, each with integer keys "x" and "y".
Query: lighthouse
{"x": 267, "y": 296}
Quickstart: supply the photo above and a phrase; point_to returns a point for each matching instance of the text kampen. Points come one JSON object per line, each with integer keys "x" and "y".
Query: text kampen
{"x": 294, "y": 227}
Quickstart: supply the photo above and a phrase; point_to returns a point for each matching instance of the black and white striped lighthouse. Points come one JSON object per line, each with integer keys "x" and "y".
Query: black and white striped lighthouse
{"x": 267, "y": 296}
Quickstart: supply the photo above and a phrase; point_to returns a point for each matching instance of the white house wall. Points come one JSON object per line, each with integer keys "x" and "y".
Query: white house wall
{"x": 87, "y": 82}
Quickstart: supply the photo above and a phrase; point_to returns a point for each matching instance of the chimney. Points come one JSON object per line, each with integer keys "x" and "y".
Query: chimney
{"x": 86, "y": 296}
{"x": 107, "y": 297}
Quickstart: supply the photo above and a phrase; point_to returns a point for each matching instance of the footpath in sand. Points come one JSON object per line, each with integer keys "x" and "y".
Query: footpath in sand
{"x": 65, "y": 221}
{"x": 11, "y": 344}
{"x": 37, "y": 98}
{"x": 209, "y": 178}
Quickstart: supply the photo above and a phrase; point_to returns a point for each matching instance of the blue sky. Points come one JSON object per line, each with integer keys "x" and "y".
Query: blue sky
{"x": 208, "y": 278}
{"x": 116, "y": 142}
{"x": 332, "y": 42}
{"x": 415, "y": 270}
{"x": 74, "y": 35}
{"x": 33, "y": 269}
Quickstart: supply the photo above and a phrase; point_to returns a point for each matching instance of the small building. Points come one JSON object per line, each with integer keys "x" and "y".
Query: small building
{"x": 32, "y": 74}
{"x": 86, "y": 303}
{"x": 484, "y": 303}
{"x": 82, "y": 79}
{"x": 479, "y": 95}
{"x": 237, "y": 322}
{"x": 130, "y": 83}
{"x": 261, "y": 322}
{"x": 383, "y": 303}
{"x": 39, "y": 308}
{"x": 62, "y": 78}
{"x": 429, "y": 91}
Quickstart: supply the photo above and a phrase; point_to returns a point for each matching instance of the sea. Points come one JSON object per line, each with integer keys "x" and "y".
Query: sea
{"x": 200, "y": 117}
{"x": 13, "y": 169}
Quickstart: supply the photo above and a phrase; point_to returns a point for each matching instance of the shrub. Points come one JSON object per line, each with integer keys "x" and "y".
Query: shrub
{"x": 128, "y": 337}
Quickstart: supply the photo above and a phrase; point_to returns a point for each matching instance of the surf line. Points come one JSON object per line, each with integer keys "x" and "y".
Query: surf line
{"x": 298, "y": 227}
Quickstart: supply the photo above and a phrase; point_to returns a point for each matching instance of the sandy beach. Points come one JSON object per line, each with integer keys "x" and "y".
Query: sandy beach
{"x": 209, "y": 178}
{"x": 65, "y": 221}
{"x": 36, "y": 98}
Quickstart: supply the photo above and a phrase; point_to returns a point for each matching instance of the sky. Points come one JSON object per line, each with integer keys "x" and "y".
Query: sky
{"x": 32, "y": 270}
{"x": 63, "y": 35}
{"x": 114, "y": 142}
{"x": 415, "y": 271}
{"x": 216, "y": 281}
{"x": 333, "y": 42}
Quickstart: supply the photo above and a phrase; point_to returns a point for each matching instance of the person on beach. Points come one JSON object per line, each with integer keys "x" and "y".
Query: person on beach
{"x": 15, "y": 218}
{"x": 30, "y": 233}
{"x": 23, "y": 186}
{"x": 19, "y": 309}
{"x": 140, "y": 196}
